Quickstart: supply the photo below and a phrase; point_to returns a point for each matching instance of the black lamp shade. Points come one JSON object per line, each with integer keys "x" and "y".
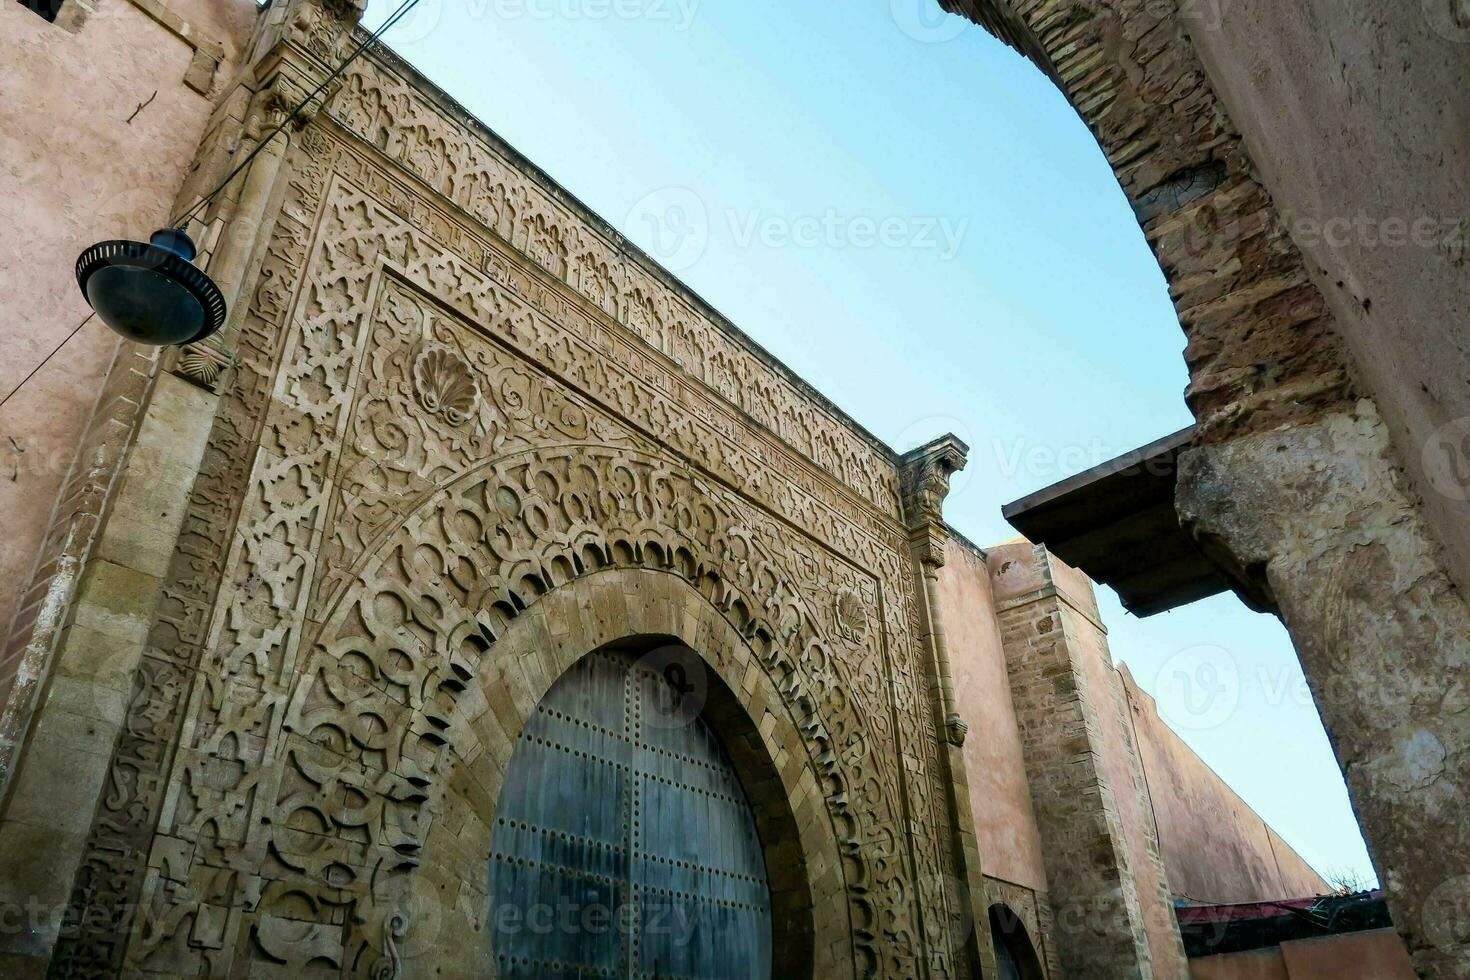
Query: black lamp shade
{"x": 151, "y": 293}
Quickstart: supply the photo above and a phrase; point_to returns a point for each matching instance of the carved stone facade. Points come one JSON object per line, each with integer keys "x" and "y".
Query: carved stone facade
{"x": 455, "y": 400}
{"x": 456, "y": 436}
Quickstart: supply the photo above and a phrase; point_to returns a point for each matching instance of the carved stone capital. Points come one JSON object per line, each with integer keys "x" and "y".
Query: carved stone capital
{"x": 312, "y": 36}
{"x": 956, "y": 729}
{"x": 925, "y": 474}
{"x": 927, "y": 542}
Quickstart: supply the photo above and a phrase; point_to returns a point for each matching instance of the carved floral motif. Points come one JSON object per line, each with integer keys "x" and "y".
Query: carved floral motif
{"x": 852, "y": 618}
{"x": 445, "y": 384}
{"x": 415, "y": 447}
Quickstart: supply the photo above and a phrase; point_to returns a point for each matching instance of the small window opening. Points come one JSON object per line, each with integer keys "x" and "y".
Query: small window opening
{"x": 46, "y": 8}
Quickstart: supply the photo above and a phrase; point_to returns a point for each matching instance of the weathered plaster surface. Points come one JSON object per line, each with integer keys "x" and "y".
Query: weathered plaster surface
{"x": 999, "y": 796}
{"x": 1320, "y": 512}
{"x": 82, "y": 162}
{"x": 1216, "y": 849}
{"x": 1373, "y": 955}
{"x": 1356, "y": 117}
{"x": 1125, "y": 776}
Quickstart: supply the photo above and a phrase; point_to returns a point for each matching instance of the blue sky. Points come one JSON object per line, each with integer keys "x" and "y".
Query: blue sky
{"x": 911, "y": 217}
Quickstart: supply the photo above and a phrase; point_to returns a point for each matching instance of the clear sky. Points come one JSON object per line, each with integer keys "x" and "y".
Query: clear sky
{"x": 911, "y": 217}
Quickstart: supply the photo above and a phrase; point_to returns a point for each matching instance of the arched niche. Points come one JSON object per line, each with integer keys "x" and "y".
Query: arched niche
{"x": 1015, "y": 953}
{"x": 443, "y": 905}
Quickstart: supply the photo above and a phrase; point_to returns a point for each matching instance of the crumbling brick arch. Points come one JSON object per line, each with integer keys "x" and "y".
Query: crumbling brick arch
{"x": 1293, "y": 485}
{"x": 1261, "y": 348}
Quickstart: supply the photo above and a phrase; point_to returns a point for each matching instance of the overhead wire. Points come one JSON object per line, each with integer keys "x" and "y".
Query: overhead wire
{"x": 178, "y": 222}
{"x": 403, "y": 10}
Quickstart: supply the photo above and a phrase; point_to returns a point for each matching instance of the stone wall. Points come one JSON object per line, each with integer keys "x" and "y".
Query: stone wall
{"x": 1216, "y": 849}
{"x": 464, "y": 427}
{"x": 1377, "y": 954}
{"x": 1000, "y": 797}
{"x": 1363, "y": 575}
{"x": 100, "y": 116}
{"x": 1352, "y": 115}
{"x": 1113, "y": 916}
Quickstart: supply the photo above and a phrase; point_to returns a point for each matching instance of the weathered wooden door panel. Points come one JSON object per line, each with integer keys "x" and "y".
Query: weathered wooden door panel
{"x": 624, "y": 845}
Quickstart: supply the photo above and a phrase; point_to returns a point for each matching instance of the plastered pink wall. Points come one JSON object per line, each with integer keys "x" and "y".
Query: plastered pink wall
{"x": 1216, "y": 849}
{"x": 1375, "y": 955}
{"x": 76, "y": 169}
{"x": 1005, "y": 824}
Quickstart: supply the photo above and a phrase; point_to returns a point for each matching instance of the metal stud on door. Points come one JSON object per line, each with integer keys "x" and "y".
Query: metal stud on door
{"x": 623, "y": 843}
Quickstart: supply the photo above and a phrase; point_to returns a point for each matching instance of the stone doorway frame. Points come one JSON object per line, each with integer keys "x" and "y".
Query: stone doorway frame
{"x": 803, "y": 870}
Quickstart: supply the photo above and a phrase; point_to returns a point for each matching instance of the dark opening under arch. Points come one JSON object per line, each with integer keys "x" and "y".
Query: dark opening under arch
{"x": 1015, "y": 955}
{"x": 624, "y": 842}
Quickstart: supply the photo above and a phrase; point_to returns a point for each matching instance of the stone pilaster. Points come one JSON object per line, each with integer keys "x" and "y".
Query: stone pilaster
{"x": 151, "y": 436}
{"x": 925, "y": 473}
{"x": 1317, "y": 515}
{"x": 1104, "y": 876}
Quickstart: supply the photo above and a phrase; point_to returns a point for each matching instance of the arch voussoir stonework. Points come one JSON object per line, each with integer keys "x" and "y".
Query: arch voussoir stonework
{"x": 808, "y": 905}
{"x": 1261, "y": 344}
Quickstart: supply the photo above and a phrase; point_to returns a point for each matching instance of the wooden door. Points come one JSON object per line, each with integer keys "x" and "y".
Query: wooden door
{"x": 623, "y": 845}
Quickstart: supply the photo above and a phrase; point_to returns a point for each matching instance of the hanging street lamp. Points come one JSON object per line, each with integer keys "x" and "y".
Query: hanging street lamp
{"x": 151, "y": 293}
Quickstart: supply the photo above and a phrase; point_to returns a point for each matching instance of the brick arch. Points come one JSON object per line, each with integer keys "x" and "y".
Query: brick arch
{"x": 630, "y": 606}
{"x": 1261, "y": 345}
{"x": 1294, "y": 486}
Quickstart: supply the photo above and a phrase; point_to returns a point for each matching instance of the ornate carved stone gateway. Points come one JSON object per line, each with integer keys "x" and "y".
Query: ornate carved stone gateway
{"x": 468, "y": 439}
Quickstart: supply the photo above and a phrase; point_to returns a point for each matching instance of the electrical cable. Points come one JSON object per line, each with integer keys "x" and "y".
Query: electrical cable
{"x": 397, "y": 15}
{"x": 75, "y": 330}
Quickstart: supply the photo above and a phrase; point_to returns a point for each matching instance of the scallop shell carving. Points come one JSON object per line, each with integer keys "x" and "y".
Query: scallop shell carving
{"x": 445, "y": 384}
{"x": 852, "y": 618}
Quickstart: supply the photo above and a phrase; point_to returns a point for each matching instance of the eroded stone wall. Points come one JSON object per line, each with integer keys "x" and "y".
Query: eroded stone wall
{"x": 1216, "y": 849}
{"x": 1275, "y": 376}
{"x": 1113, "y": 915}
{"x": 100, "y": 115}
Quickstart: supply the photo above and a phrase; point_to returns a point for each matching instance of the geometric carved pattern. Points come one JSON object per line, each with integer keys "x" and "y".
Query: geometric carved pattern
{"x": 426, "y": 433}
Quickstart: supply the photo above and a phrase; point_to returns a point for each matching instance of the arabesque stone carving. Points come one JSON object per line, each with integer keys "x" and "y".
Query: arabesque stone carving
{"x": 425, "y": 434}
